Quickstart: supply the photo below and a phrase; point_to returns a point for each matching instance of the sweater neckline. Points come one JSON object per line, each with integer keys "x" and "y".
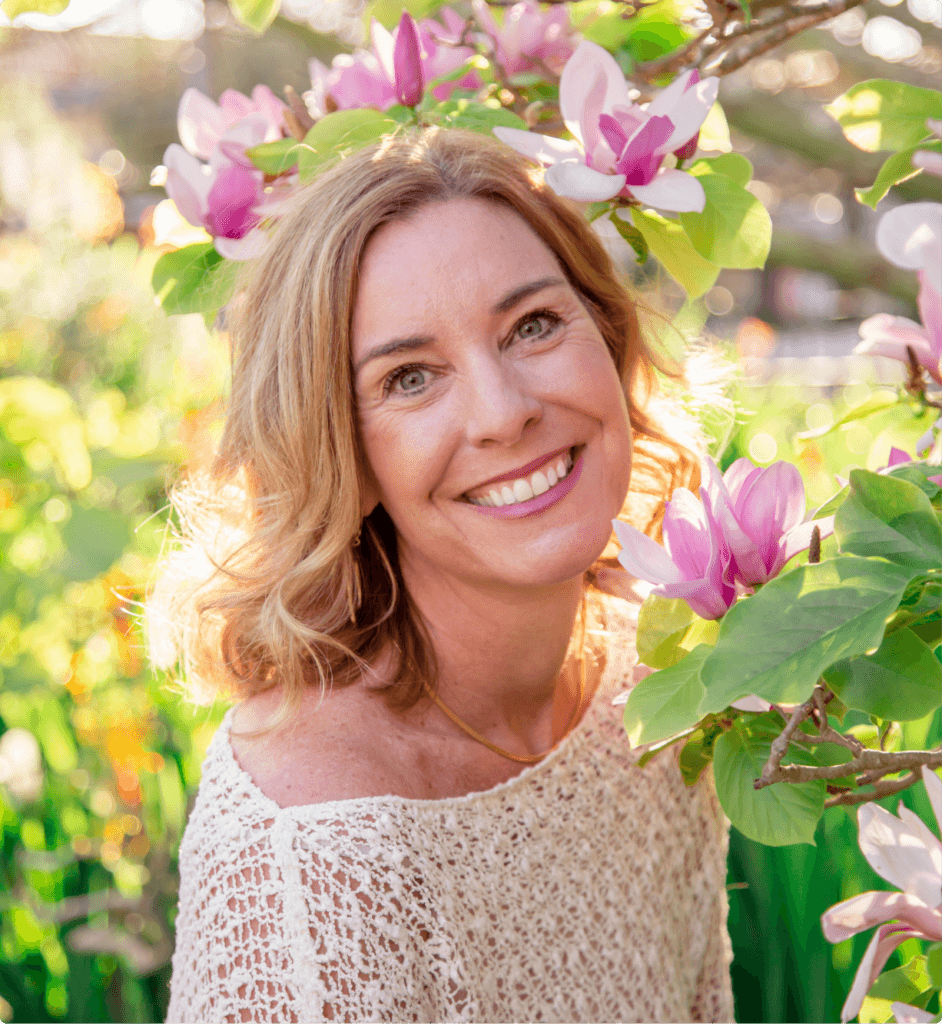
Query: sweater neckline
{"x": 329, "y": 808}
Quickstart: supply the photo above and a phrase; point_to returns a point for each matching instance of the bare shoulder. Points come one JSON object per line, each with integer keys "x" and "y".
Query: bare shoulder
{"x": 327, "y": 751}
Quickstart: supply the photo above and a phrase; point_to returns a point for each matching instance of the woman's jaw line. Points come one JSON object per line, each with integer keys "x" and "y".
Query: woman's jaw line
{"x": 557, "y": 486}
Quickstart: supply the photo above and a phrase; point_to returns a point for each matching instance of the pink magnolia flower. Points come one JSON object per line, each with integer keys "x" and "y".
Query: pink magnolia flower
{"x": 900, "y": 458}
{"x": 618, "y": 148}
{"x": 226, "y": 196}
{"x": 761, "y": 513}
{"x": 399, "y": 67}
{"x": 693, "y": 563}
{"x": 201, "y": 123}
{"x": 529, "y": 39}
{"x": 906, "y": 853}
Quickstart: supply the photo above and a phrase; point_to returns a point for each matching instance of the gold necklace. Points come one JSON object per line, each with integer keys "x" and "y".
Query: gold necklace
{"x": 521, "y": 758}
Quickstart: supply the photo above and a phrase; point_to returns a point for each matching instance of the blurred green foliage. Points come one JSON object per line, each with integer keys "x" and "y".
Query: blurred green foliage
{"x": 101, "y": 393}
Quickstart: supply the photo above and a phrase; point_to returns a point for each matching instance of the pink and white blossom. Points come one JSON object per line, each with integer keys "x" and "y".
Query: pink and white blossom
{"x": 201, "y": 123}
{"x": 904, "y": 851}
{"x": 618, "y": 148}
{"x": 529, "y": 39}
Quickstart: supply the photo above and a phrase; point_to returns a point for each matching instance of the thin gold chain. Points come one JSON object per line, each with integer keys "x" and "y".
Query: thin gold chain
{"x": 521, "y": 758}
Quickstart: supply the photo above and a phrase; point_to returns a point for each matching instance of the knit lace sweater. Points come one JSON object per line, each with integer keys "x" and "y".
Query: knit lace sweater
{"x": 583, "y": 889}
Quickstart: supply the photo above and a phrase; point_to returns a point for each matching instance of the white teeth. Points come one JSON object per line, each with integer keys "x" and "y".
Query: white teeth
{"x": 516, "y": 491}
{"x": 522, "y": 490}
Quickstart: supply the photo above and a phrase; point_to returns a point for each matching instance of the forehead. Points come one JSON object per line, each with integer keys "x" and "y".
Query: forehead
{"x": 449, "y": 259}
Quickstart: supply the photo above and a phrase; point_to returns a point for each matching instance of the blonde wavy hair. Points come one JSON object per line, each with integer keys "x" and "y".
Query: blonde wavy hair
{"x": 277, "y": 576}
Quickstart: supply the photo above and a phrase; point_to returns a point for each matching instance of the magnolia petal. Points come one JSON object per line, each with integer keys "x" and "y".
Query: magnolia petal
{"x": 907, "y": 234}
{"x": 246, "y": 248}
{"x": 578, "y": 79}
{"x": 187, "y": 183}
{"x": 667, "y": 99}
{"x": 687, "y": 535}
{"x": 689, "y": 111}
{"x": 921, "y": 829}
{"x": 672, "y": 190}
{"x": 751, "y": 703}
{"x": 543, "y": 148}
{"x": 930, "y": 312}
{"x": 899, "y": 854}
{"x": 200, "y": 122}
{"x": 738, "y": 474}
{"x": 576, "y": 181}
{"x": 903, "y": 1012}
{"x": 407, "y": 62}
{"x": 267, "y": 103}
{"x": 643, "y": 557}
{"x": 858, "y": 913}
{"x": 890, "y": 336}
{"x": 881, "y": 947}
{"x": 384, "y": 47}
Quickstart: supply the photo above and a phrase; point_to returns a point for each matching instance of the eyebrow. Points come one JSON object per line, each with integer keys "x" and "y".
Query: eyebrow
{"x": 507, "y": 303}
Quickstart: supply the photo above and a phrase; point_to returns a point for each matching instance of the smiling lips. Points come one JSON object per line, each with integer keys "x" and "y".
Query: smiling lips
{"x": 524, "y": 488}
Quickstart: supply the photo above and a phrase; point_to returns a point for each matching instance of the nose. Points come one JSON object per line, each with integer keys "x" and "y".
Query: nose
{"x": 501, "y": 405}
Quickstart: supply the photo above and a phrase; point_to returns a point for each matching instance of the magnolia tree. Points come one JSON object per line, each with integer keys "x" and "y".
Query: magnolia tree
{"x": 751, "y": 656}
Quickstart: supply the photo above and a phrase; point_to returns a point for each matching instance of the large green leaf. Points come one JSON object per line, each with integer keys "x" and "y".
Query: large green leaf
{"x": 13, "y": 8}
{"x": 881, "y": 114}
{"x": 670, "y": 245}
{"x": 777, "y": 815}
{"x": 891, "y": 518}
{"x": 256, "y": 14}
{"x": 195, "y": 279}
{"x": 275, "y": 157}
{"x": 897, "y": 168}
{"x": 734, "y": 229}
{"x": 777, "y": 643}
{"x": 669, "y": 629}
{"x": 94, "y": 539}
{"x": 666, "y": 702}
{"x": 918, "y": 474}
{"x": 899, "y": 682}
{"x": 733, "y": 165}
{"x": 337, "y": 134}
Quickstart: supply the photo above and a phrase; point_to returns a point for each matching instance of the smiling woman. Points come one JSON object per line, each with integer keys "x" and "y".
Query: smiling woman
{"x": 423, "y": 806}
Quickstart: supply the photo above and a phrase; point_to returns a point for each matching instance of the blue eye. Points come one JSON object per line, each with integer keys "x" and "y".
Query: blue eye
{"x": 537, "y": 325}
{"x": 409, "y": 379}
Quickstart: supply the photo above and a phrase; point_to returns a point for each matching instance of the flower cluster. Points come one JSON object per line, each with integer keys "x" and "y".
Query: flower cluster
{"x": 747, "y": 525}
{"x": 910, "y": 237}
{"x": 210, "y": 178}
{"x": 618, "y": 148}
{"x": 906, "y": 853}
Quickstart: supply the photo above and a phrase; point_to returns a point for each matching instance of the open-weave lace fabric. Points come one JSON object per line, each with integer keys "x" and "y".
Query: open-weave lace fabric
{"x": 583, "y": 889}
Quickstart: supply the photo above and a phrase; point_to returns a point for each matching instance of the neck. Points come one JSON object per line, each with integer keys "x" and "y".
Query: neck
{"x": 500, "y": 658}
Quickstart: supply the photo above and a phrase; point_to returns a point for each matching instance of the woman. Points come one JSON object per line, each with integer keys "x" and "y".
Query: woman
{"x": 424, "y": 806}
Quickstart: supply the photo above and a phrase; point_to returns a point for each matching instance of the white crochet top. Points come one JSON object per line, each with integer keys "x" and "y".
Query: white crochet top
{"x": 583, "y": 889}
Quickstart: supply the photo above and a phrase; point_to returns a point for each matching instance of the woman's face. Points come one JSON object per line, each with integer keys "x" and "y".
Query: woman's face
{"x": 493, "y": 422}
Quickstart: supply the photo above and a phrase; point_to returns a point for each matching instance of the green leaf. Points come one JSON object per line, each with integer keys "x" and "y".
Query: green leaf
{"x": 633, "y": 237}
{"x": 899, "y": 682}
{"x": 777, "y": 643}
{"x": 337, "y": 134}
{"x": 918, "y": 473}
{"x": 735, "y": 229}
{"x": 195, "y": 279}
{"x": 697, "y": 753}
{"x": 904, "y": 984}
{"x": 897, "y": 168}
{"x": 881, "y": 114}
{"x": 777, "y": 815}
{"x": 275, "y": 157}
{"x": 733, "y": 165}
{"x": 675, "y": 252}
{"x": 668, "y": 629}
{"x": 934, "y": 964}
{"x": 95, "y": 539}
{"x": 666, "y": 702}
{"x": 890, "y": 518}
{"x": 255, "y": 14}
{"x": 832, "y": 504}
{"x": 476, "y": 117}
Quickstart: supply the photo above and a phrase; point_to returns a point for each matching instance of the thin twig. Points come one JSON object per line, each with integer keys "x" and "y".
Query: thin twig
{"x": 880, "y": 789}
{"x": 867, "y": 760}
